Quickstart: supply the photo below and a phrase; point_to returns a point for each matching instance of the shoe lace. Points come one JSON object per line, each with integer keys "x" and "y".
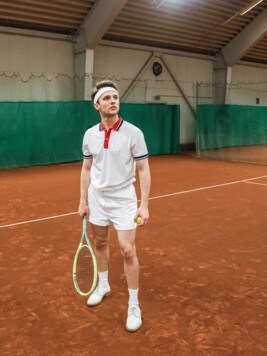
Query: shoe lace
{"x": 133, "y": 310}
{"x": 99, "y": 289}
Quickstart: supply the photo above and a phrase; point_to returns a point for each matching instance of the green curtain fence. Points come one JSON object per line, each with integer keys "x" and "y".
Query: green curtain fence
{"x": 38, "y": 133}
{"x": 231, "y": 125}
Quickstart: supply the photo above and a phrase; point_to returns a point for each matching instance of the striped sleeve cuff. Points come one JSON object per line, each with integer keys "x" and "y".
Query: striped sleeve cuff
{"x": 87, "y": 156}
{"x": 138, "y": 158}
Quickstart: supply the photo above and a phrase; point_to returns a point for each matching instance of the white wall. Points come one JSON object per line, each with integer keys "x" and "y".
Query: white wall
{"x": 122, "y": 65}
{"x": 23, "y": 59}
{"x": 248, "y": 83}
{"x": 79, "y": 61}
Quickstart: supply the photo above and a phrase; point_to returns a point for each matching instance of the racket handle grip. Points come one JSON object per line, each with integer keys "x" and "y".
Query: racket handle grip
{"x": 84, "y": 222}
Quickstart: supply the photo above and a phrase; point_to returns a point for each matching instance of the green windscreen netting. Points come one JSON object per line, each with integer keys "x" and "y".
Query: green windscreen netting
{"x": 234, "y": 132}
{"x": 37, "y": 133}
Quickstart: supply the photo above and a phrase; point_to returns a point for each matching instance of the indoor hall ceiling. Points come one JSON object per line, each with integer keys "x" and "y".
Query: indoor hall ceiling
{"x": 55, "y": 16}
{"x": 196, "y": 26}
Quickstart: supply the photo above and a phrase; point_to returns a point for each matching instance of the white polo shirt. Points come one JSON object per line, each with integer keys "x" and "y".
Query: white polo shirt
{"x": 114, "y": 153}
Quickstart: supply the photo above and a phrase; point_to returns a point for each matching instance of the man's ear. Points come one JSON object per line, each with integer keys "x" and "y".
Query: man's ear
{"x": 96, "y": 106}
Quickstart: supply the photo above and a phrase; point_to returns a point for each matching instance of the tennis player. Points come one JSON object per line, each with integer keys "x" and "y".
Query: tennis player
{"x": 112, "y": 151}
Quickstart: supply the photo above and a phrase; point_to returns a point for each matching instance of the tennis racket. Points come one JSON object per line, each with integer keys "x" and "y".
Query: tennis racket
{"x": 84, "y": 272}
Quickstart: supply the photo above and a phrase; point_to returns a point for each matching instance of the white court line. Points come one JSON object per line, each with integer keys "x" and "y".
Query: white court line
{"x": 196, "y": 190}
{"x": 256, "y": 183}
{"x": 36, "y": 220}
{"x": 246, "y": 180}
{"x": 152, "y": 198}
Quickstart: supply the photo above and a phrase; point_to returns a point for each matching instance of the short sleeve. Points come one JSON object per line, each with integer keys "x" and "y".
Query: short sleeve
{"x": 85, "y": 148}
{"x": 139, "y": 148}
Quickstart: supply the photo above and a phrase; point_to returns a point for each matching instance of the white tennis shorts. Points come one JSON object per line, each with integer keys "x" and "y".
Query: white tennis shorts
{"x": 117, "y": 207}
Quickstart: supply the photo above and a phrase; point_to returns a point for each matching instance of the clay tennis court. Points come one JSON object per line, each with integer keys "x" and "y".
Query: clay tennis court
{"x": 202, "y": 264}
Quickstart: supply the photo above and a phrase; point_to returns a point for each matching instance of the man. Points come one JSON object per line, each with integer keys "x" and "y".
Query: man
{"x": 112, "y": 150}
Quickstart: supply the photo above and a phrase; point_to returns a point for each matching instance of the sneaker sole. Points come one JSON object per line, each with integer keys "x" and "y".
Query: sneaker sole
{"x": 94, "y": 305}
{"x": 133, "y": 330}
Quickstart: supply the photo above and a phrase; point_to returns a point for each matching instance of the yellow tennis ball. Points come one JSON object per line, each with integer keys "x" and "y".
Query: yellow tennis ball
{"x": 139, "y": 220}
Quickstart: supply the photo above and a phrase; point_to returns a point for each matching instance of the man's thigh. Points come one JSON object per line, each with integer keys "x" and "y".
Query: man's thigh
{"x": 100, "y": 233}
{"x": 126, "y": 238}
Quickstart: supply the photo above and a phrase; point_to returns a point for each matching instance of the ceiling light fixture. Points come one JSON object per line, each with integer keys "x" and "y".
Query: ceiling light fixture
{"x": 249, "y": 7}
{"x": 158, "y": 3}
{"x": 244, "y": 11}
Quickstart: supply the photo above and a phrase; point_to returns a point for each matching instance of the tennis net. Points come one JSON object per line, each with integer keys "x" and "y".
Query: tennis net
{"x": 232, "y": 131}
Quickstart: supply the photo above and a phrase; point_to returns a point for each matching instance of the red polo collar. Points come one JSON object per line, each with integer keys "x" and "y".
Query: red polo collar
{"x": 115, "y": 127}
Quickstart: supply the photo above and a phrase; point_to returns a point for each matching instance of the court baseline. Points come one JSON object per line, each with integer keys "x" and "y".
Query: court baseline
{"x": 248, "y": 180}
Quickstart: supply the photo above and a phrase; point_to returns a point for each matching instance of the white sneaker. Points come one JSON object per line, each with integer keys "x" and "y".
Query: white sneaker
{"x": 134, "y": 319}
{"x": 98, "y": 295}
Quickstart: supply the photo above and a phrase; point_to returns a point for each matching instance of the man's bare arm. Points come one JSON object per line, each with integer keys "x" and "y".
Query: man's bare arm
{"x": 85, "y": 181}
{"x": 145, "y": 182}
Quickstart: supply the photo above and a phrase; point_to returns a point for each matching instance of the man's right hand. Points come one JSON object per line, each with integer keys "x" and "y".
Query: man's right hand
{"x": 83, "y": 209}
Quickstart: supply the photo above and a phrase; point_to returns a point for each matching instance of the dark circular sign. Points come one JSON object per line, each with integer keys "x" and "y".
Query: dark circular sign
{"x": 157, "y": 68}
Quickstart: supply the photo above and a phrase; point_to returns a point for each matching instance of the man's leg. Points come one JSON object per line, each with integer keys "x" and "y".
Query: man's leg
{"x": 101, "y": 238}
{"x": 131, "y": 269}
{"x": 128, "y": 250}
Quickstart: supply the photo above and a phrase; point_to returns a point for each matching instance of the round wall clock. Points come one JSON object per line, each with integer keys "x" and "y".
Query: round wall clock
{"x": 157, "y": 68}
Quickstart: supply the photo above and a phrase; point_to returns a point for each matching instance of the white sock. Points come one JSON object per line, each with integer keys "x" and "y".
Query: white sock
{"x": 103, "y": 279}
{"x": 133, "y": 296}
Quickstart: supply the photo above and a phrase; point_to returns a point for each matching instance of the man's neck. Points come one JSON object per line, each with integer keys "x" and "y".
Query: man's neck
{"x": 109, "y": 121}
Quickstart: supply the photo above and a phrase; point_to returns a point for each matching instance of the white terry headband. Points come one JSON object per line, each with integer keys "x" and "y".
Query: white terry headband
{"x": 102, "y": 91}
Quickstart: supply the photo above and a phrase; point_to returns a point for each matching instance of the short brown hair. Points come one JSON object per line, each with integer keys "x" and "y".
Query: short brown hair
{"x": 103, "y": 84}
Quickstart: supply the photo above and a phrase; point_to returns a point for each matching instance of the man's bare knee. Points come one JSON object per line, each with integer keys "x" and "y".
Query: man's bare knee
{"x": 128, "y": 253}
{"x": 100, "y": 242}
{"x": 101, "y": 235}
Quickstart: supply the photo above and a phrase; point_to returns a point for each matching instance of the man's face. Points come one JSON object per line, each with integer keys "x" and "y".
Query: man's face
{"x": 108, "y": 104}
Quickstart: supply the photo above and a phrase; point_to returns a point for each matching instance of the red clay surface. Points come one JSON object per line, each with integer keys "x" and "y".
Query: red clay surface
{"x": 254, "y": 154}
{"x": 202, "y": 265}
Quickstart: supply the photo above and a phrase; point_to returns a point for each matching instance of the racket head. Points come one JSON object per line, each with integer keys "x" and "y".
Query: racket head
{"x": 84, "y": 271}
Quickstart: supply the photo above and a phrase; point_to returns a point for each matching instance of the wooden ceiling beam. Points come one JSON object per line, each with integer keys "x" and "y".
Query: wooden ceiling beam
{"x": 99, "y": 20}
{"x": 245, "y": 40}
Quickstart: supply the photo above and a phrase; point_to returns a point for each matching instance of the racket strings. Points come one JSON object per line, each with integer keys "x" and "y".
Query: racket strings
{"x": 85, "y": 270}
